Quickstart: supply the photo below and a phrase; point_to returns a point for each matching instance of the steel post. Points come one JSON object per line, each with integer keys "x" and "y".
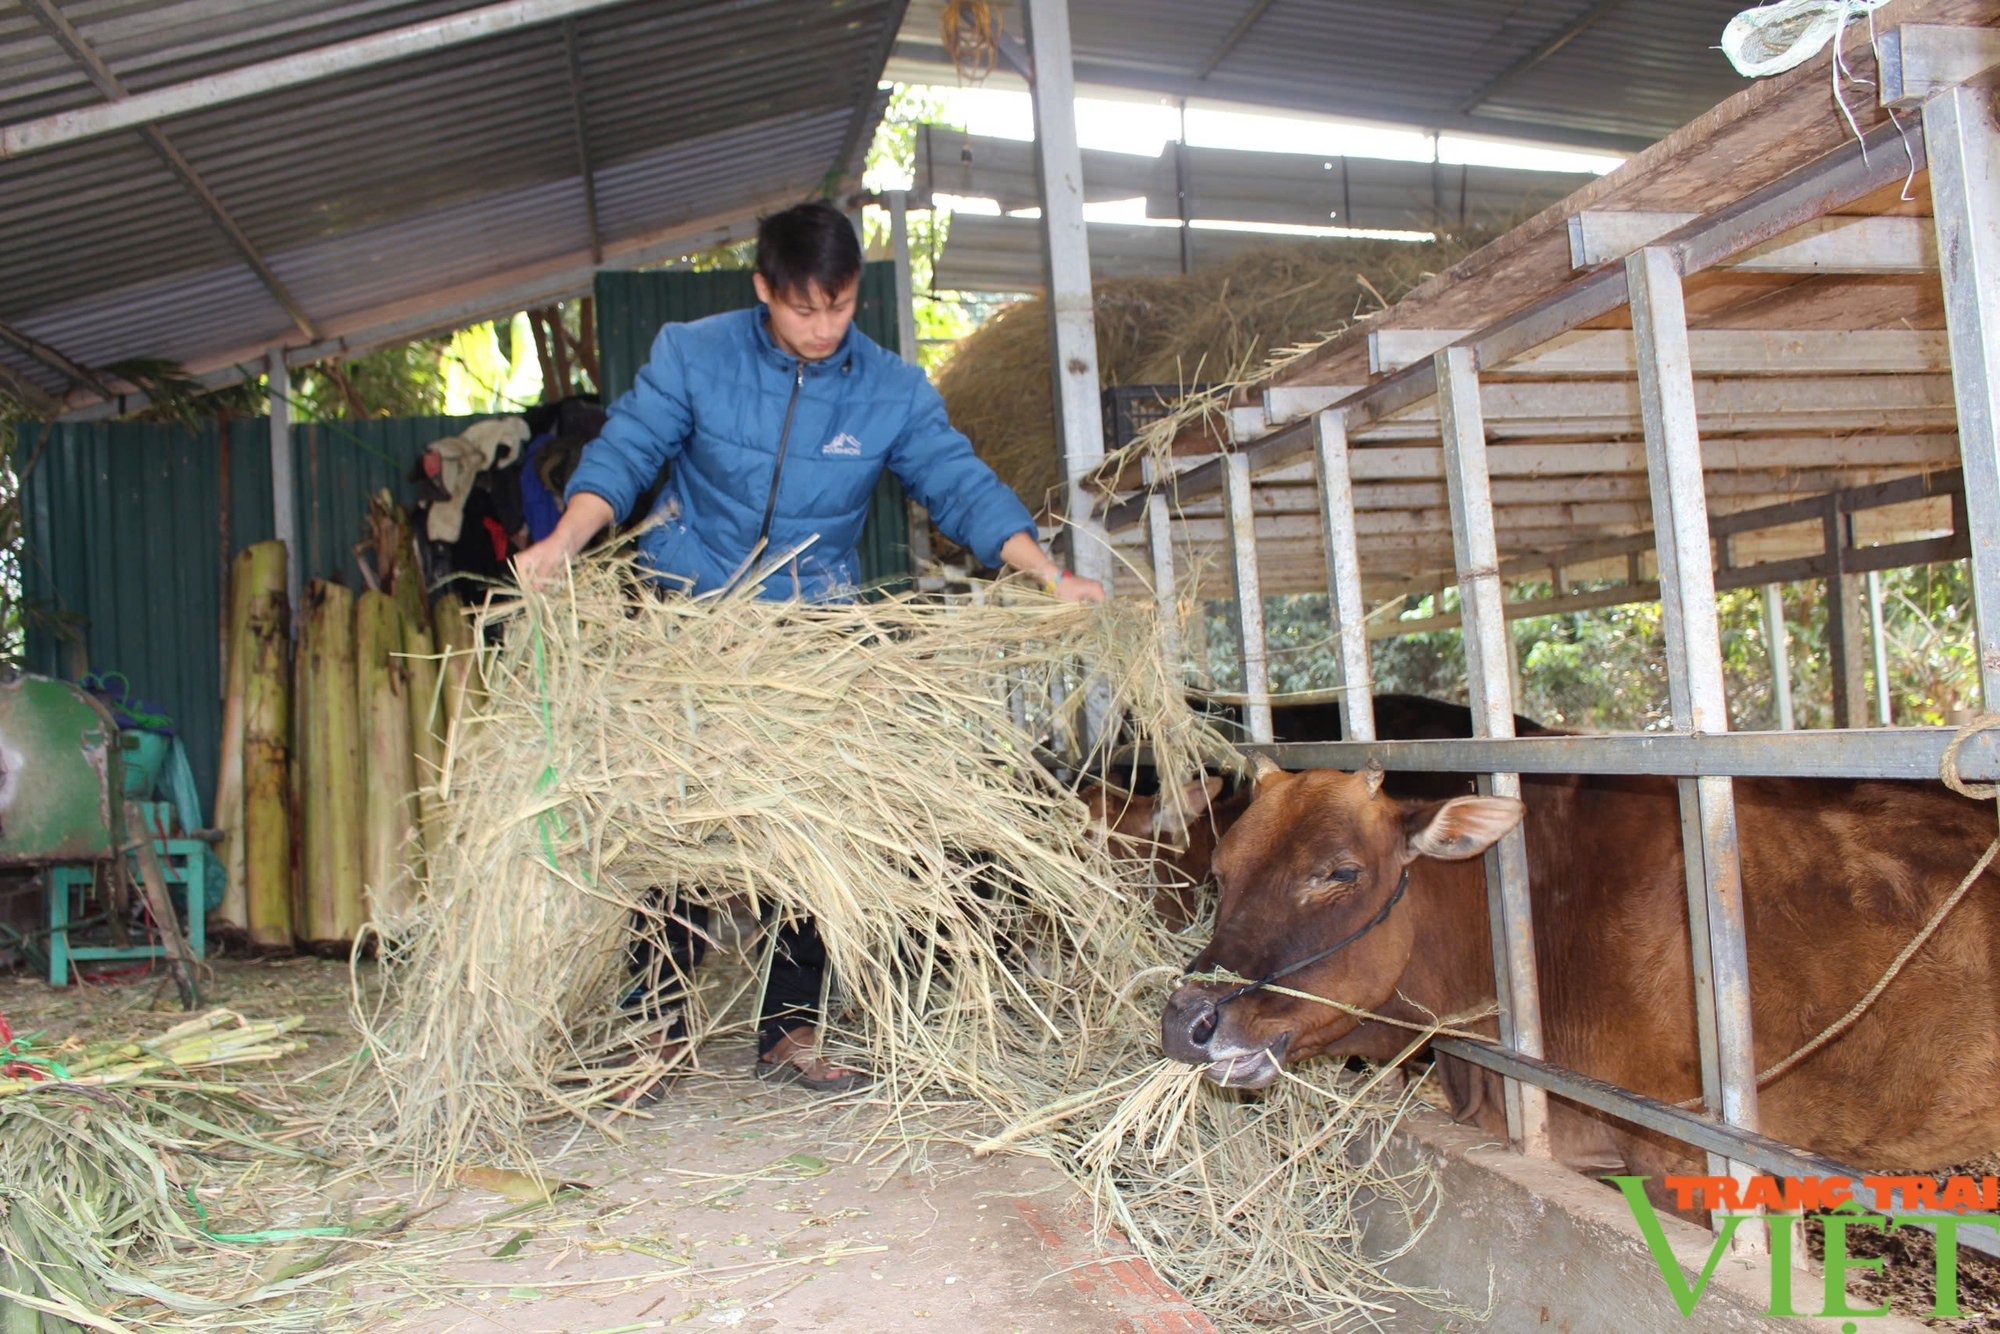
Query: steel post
{"x": 1694, "y": 670}
{"x": 1166, "y": 592}
{"x": 1490, "y": 686}
{"x": 899, "y": 247}
{"x": 1777, "y": 638}
{"x": 284, "y": 490}
{"x": 1843, "y": 616}
{"x": 1343, "y": 575}
{"x": 1249, "y": 599}
{"x": 1884, "y": 711}
{"x": 1963, "y": 144}
{"x": 907, "y": 347}
{"x": 1066, "y": 258}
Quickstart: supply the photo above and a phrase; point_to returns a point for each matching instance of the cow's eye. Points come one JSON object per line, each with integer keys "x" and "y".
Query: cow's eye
{"x": 1344, "y": 875}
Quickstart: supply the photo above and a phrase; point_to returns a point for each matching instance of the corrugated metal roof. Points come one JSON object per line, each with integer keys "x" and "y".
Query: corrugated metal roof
{"x": 1633, "y": 75}
{"x": 434, "y": 174}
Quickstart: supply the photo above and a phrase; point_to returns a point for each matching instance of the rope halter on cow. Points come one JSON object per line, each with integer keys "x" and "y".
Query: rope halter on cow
{"x": 1381, "y": 916}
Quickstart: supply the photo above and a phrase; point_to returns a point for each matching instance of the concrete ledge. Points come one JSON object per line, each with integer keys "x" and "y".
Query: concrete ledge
{"x": 1562, "y": 1253}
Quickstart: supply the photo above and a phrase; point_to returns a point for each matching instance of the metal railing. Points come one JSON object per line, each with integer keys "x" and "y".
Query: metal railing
{"x": 1957, "y": 139}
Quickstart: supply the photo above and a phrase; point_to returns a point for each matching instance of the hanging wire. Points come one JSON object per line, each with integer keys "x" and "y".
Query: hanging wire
{"x": 971, "y": 31}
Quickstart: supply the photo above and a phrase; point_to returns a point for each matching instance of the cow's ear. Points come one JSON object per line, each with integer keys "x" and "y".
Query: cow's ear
{"x": 1460, "y": 828}
{"x": 1264, "y": 772}
{"x": 1172, "y": 818}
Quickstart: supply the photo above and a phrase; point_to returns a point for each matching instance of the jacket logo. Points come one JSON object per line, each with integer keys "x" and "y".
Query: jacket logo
{"x": 844, "y": 445}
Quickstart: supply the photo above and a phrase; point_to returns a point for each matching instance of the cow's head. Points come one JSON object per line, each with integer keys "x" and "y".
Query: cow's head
{"x": 1314, "y": 859}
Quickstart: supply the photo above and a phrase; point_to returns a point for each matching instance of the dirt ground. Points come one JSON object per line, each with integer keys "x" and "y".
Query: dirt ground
{"x": 730, "y": 1205}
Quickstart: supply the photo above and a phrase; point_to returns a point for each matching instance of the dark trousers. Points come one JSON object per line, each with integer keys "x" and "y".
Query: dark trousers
{"x": 662, "y": 949}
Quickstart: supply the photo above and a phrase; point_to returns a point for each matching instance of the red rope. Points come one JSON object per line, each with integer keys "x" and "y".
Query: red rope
{"x": 16, "y": 1069}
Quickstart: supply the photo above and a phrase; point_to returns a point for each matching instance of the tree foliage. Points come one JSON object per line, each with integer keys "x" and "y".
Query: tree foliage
{"x": 1606, "y": 669}
{"x": 942, "y": 317}
{"x": 407, "y": 380}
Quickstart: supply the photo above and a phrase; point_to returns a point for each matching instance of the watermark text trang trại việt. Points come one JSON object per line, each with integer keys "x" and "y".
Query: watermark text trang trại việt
{"x": 1949, "y": 1205}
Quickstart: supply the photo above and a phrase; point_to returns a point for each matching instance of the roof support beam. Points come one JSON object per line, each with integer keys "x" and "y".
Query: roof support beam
{"x": 582, "y": 140}
{"x": 75, "y": 371}
{"x": 1234, "y": 39}
{"x": 29, "y": 394}
{"x": 226, "y": 223}
{"x": 1582, "y": 24}
{"x": 862, "y": 127}
{"x": 287, "y": 71}
{"x": 83, "y": 53}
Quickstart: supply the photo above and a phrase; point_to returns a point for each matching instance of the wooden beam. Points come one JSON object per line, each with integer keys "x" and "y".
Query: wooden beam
{"x": 1920, "y": 60}
{"x": 1836, "y": 244}
{"x": 1803, "y": 455}
{"x": 70, "y": 369}
{"x": 1554, "y": 408}
{"x": 1760, "y": 489}
{"x": 1715, "y": 351}
{"x": 27, "y": 393}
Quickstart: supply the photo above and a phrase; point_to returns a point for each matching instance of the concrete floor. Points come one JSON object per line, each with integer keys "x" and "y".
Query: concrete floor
{"x": 731, "y": 1205}
{"x": 788, "y": 1227}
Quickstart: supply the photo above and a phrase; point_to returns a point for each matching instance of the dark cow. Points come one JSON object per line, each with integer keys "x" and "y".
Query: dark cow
{"x": 1180, "y": 837}
{"x": 1838, "y": 877}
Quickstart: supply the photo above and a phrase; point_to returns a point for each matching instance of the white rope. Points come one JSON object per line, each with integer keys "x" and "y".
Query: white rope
{"x": 1948, "y": 775}
{"x": 1774, "y": 38}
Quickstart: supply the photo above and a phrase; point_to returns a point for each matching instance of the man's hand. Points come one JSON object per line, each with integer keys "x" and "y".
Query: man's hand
{"x": 1075, "y": 588}
{"x": 582, "y": 520}
{"x": 1025, "y": 554}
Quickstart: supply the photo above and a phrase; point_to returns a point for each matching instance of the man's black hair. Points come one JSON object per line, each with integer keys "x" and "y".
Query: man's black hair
{"x": 807, "y": 245}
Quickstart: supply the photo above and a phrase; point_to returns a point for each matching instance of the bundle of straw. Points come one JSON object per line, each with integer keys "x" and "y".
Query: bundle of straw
{"x": 860, "y": 764}
{"x": 206, "y": 1040}
{"x": 100, "y": 1221}
{"x": 872, "y": 766}
{"x": 1213, "y": 326}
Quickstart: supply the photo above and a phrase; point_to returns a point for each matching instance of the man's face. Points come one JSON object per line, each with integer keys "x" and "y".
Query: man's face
{"x": 808, "y": 323}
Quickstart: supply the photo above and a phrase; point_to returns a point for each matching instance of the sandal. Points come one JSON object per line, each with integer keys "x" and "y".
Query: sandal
{"x": 788, "y": 1072}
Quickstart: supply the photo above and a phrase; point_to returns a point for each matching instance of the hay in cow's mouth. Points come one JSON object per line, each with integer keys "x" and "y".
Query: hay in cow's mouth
{"x": 873, "y": 766}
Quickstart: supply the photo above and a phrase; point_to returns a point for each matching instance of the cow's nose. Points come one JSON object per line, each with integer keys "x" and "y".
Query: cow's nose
{"x": 1201, "y": 1030}
{"x": 1187, "y": 1027}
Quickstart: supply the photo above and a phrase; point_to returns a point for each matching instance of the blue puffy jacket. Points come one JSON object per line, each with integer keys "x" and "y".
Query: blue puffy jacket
{"x": 756, "y": 436}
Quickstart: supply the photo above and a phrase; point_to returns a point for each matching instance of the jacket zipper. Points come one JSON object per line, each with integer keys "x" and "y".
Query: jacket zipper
{"x": 778, "y": 468}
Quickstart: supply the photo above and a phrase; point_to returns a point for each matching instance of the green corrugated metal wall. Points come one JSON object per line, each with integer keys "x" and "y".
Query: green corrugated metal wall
{"x": 123, "y": 531}
{"x": 631, "y": 307}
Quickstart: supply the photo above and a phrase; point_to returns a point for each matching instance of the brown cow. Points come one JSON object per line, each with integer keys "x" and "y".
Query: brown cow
{"x": 1180, "y": 848}
{"x": 1839, "y": 876}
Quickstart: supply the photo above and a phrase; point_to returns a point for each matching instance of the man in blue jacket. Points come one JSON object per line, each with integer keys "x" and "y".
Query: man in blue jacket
{"x": 776, "y": 423}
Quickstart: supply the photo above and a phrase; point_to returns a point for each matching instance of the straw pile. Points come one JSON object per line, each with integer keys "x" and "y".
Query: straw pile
{"x": 111, "y": 1150}
{"x": 876, "y": 767}
{"x": 1215, "y": 325}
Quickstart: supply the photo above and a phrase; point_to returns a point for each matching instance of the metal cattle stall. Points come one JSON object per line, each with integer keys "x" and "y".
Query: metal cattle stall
{"x": 1607, "y": 335}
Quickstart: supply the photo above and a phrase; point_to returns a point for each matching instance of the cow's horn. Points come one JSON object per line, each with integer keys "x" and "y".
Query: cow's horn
{"x": 1262, "y": 766}
{"x": 1373, "y": 773}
